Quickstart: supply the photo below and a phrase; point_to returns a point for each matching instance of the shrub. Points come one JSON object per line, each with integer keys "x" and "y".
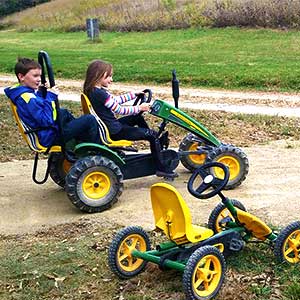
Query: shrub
{"x": 137, "y": 15}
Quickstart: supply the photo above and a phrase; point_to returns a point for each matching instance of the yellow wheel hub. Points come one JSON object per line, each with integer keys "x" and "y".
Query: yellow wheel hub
{"x": 96, "y": 185}
{"x": 125, "y": 259}
{"x": 291, "y": 247}
{"x": 232, "y": 163}
{"x": 207, "y": 275}
{"x": 224, "y": 213}
{"x": 198, "y": 159}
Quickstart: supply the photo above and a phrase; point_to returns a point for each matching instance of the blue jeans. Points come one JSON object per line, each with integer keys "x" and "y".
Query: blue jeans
{"x": 82, "y": 129}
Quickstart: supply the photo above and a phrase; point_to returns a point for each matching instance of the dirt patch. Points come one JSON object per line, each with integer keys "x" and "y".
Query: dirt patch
{"x": 271, "y": 191}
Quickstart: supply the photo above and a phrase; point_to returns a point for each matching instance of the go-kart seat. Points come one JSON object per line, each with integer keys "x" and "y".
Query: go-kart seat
{"x": 30, "y": 135}
{"x": 87, "y": 108}
{"x": 173, "y": 217}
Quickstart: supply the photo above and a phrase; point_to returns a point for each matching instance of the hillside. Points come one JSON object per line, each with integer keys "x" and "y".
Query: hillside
{"x": 140, "y": 15}
{"x": 8, "y": 6}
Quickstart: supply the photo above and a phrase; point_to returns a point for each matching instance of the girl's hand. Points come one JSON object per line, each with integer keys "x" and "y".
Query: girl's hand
{"x": 144, "y": 107}
{"x": 139, "y": 93}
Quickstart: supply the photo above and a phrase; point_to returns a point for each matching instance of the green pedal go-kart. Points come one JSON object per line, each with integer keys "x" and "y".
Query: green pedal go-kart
{"x": 200, "y": 145}
{"x": 92, "y": 174}
{"x": 198, "y": 252}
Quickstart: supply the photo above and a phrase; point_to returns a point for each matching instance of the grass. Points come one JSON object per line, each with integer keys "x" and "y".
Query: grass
{"x": 70, "y": 262}
{"x": 257, "y": 129}
{"x": 228, "y": 58}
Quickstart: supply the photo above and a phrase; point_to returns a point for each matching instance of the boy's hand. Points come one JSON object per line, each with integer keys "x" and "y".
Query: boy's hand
{"x": 54, "y": 90}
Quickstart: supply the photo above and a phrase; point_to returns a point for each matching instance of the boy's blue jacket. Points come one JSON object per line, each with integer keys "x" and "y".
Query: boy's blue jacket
{"x": 35, "y": 111}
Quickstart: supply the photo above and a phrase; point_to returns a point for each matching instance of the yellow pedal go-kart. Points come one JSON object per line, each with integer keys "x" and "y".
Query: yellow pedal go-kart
{"x": 197, "y": 251}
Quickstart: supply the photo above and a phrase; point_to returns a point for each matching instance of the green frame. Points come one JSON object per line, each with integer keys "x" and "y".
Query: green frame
{"x": 174, "y": 115}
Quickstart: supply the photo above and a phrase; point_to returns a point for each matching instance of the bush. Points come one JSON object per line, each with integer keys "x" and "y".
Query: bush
{"x": 137, "y": 15}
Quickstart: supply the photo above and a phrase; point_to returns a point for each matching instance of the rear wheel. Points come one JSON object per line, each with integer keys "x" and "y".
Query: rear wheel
{"x": 204, "y": 273}
{"x": 94, "y": 183}
{"x": 221, "y": 213}
{"x": 120, "y": 258}
{"x": 235, "y": 159}
{"x": 59, "y": 168}
{"x": 192, "y": 161}
{"x": 287, "y": 244}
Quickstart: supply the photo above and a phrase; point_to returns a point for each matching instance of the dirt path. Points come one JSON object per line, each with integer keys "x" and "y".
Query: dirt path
{"x": 271, "y": 191}
{"x": 268, "y": 103}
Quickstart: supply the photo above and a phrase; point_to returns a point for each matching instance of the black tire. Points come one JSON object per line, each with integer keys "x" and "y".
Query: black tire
{"x": 192, "y": 161}
{"x": 287, "y": 244}
{"x": 94, "y": 183}
{"x": 123, "y": 264}
{"x": 207, "y": 264}
{"x": 59, "y": 168}
{"x": 235, "y": 159}
{"x": 219, "y": 213}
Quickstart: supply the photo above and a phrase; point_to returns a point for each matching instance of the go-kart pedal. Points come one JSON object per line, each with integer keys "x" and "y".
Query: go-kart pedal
{"x": 236, "y": 245}
{"x": 167, "y": 175}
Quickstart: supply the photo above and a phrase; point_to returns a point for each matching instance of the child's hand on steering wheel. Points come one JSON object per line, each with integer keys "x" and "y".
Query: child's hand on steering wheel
{"x": 144, "y": 107}
{"x": 141, "y": 93}
{"x": 54, "y": 89}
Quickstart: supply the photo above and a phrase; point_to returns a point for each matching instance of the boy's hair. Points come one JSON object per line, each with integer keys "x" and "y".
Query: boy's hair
{"x": 24, "y": 65}
{"x": 95, "y": 71}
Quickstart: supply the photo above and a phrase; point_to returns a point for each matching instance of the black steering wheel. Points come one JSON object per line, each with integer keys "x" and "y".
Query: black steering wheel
{"x": 208, "y": 180}
{"x": 45, "y": 62}
{"x": 143, "y": 98}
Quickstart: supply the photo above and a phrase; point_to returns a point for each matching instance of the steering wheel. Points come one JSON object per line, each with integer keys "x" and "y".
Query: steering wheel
{"x": 208, "y": 180}
{"x": 45, "y": 62}
{"x": 142, "y": 98}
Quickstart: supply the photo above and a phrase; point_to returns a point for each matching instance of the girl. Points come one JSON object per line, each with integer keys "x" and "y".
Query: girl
{"x": 98, "y": 78}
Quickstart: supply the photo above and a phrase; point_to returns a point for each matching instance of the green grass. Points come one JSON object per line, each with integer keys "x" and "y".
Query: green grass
{"x": 70, "y": 262}
{"x": 224, "y": 58}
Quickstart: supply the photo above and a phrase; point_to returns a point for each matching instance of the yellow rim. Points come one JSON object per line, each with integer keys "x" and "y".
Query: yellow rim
{"x": 198, "y": 159}
{"x": 233, "y": 165}
{"x": 207, "y": 275}
{"x": 66, "y": 166}
{"x": 96, "y": 185}
{"x": 291, "y": 247}
{"x": 223, "y": 214}
{"x": 125, "y": 259}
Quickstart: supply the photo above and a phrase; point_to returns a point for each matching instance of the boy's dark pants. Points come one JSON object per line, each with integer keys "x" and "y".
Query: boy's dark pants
{"x": 83, "y": 129}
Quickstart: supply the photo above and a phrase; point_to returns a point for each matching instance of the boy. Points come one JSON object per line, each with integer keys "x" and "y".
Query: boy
{"x": 38, "y": 112}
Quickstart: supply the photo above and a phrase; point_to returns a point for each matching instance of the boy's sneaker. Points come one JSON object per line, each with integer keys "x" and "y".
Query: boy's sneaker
{"x": 167, "y": 175}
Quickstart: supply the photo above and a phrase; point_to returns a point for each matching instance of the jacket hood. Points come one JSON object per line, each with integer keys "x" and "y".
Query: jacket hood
{"x": 15, "y": 91}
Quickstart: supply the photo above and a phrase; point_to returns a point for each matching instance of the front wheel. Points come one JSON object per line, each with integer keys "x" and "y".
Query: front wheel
{"x": 235, "y": 159}
{"x": 94, "y": 183}
{"x": 220, "y": 216}
{"x": 120, "y": 257}
{"x": 204, "y": 273}
{"x": 287, "y": 244}
{"x": 191, "y": 161}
